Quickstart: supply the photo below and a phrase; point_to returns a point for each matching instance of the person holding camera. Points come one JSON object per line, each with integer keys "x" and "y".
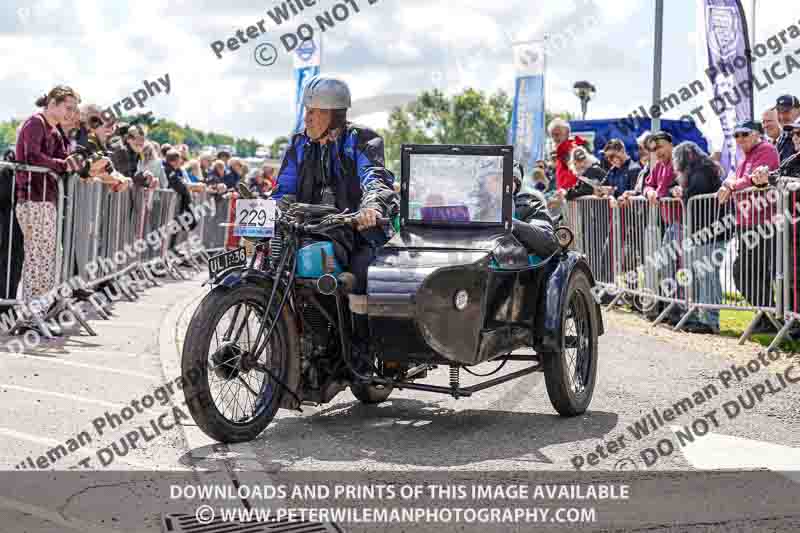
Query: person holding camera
{"x": 96, "y": 151}
{"x": 175, "y": 177}
{"x": 215, "y": 182}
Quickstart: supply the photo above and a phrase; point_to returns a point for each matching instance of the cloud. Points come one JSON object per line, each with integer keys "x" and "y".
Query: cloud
{"x": 106, "y": 49}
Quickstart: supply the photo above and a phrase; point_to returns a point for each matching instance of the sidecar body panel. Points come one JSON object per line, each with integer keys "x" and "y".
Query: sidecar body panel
{"x": 410, "y": 294}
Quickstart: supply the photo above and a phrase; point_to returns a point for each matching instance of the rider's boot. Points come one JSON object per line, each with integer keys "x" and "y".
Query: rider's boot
{"x": 361, "y": 352}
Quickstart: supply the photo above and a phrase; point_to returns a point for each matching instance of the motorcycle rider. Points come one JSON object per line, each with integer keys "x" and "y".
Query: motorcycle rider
{"x": 334, "y": 162}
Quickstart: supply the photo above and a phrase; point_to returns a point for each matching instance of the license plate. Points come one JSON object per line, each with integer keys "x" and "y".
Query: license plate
{"x": 226, "y": 260}
{"x": 255, "y": 218}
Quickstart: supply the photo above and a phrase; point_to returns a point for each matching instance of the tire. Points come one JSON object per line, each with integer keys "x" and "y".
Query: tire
{"x": 197, "y": 354}
{"x": 570, "y": 387}
{"x": 371, "y": 394}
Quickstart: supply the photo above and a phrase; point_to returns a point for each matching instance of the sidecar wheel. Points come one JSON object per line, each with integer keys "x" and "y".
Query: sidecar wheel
{"x": 570, "y": 375}
{"x": 371, "y": 394}
{"x": 228, "y": 402}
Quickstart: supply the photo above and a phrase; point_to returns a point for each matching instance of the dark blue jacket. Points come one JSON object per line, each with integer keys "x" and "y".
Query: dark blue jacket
{"x": 785, "y": 146}
{"x": 356, "y": 163}
{"x": 231, "y": 179}
{"x": 624, "y": 177}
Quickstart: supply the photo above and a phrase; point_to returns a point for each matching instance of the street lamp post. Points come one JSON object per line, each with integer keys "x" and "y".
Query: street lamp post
{"x": 584, "y": 91}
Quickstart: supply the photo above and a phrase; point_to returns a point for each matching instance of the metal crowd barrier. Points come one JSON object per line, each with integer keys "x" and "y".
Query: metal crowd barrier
{"x": 740, "y": 269}
{"x": 570, "y": 218}
{"x": 697, "y": 258}
{"x": 595, "y": 226}
{"x": 215, "y": 229}
{"x": 15, "y": 259}
{"x": 634, "y": 273}
{"x": 102, "y": 236}
{"x": 790, "y": 260}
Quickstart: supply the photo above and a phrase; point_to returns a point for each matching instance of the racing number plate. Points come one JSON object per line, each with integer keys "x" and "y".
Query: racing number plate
{"x": 226, "y": 260}
{"x": 255, "y": 218}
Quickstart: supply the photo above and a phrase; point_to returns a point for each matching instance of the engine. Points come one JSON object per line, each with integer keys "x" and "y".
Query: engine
{"x": 319, "y": 353}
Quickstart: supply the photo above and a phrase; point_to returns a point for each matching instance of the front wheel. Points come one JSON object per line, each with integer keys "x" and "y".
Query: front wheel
{"x": 231, "y": 398}
{"x": 570, "y": 375}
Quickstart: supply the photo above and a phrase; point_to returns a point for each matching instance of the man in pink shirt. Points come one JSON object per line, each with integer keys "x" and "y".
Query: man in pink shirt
{"x": 753, "y": 269}
{"x": 758, "y": 155}
{"x": 663, "y": 178}
{"x": 657, "y": 188}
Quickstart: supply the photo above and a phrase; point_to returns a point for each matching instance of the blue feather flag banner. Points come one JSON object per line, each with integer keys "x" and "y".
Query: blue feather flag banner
{"x": 526, "y": 132}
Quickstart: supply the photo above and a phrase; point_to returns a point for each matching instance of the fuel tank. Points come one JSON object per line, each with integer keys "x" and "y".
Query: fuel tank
{"x": 316, "y": 259}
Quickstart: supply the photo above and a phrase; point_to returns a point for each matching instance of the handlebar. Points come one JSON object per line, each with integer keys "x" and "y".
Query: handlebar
{"x": 337, "y": 220}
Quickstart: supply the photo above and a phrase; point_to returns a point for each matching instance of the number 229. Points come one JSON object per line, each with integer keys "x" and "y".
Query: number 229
{"x": 256, "y": 217}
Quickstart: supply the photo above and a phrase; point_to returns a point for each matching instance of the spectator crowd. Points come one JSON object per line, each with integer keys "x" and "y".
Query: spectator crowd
{"x": 76, "y": 139}
{"x": 664, "y": 171}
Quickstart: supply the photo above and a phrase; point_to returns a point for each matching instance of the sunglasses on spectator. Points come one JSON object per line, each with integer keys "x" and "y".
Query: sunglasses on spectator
{"x": 740, "y": 134}
{"x": 97, "y": 122}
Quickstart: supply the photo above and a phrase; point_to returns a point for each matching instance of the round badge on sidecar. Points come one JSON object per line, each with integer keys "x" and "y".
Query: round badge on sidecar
{"x": 564, "y": 236}
{"x": 461, "y": 299}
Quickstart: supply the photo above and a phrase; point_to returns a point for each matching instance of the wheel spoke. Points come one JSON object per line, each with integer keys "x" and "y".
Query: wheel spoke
{"x": 227, "y": 335}
{"x": 237, "y": 356}
{"x": 242, "y": 325}
{"x": 247, "y": 385}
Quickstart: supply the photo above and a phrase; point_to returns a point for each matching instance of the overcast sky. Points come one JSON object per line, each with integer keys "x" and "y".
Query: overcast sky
{"x": 107, "y": 48}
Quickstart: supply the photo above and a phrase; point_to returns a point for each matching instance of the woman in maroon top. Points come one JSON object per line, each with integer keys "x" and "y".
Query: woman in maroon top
{"x": 40, "y": 142}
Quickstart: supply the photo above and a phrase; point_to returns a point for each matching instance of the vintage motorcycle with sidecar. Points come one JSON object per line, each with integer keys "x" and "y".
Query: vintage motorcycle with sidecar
{"x": 453, "y": 287}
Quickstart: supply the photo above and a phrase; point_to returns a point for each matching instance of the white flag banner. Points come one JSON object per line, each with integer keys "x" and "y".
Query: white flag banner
{"x": 529, "y": 59}
{"x": 308, "y": 53}
{"x": 307, "y": 63}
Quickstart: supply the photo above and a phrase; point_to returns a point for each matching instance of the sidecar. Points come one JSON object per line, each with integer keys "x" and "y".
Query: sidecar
{"x": 455, "y": 287}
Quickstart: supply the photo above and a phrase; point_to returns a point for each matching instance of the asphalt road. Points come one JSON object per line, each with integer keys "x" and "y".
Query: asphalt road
{"x": 62, "y": 390}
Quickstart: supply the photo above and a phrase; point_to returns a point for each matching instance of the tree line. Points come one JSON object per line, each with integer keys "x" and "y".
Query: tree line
{"x": 471, "y": 117}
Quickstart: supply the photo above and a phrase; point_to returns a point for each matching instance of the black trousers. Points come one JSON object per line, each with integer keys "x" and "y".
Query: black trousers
{"x": 10, "y": 266}
{"x": 367, "y": 245}
{"x": 753, "y": 270}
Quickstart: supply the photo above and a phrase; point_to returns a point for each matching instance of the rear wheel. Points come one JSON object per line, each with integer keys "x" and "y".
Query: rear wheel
{"x": 231, "y": 398}
{"x": 570, "y": 375}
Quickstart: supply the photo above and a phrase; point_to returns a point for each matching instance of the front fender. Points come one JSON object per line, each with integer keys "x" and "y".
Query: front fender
{"x": 234, "y": 277}
{"x": 547, "y": 327}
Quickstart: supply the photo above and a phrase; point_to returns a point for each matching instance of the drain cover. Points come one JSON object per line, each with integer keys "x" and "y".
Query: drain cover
{"x": 185, "y": 523}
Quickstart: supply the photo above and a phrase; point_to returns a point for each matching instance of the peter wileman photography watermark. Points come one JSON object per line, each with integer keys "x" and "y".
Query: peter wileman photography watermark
{"x": 151, "y": 429}
{"x": 763, "y": 78}
{"x": 770, "y": 384}
{"x": 151, "y": 88}
{"x": 671, "y": 252}
{"x": 266, "y": 53}
{"x": 112, "y": 290}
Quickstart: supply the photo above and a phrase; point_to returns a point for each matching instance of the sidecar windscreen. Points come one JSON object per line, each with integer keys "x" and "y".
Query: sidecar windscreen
{"x": 447, "y": 185}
